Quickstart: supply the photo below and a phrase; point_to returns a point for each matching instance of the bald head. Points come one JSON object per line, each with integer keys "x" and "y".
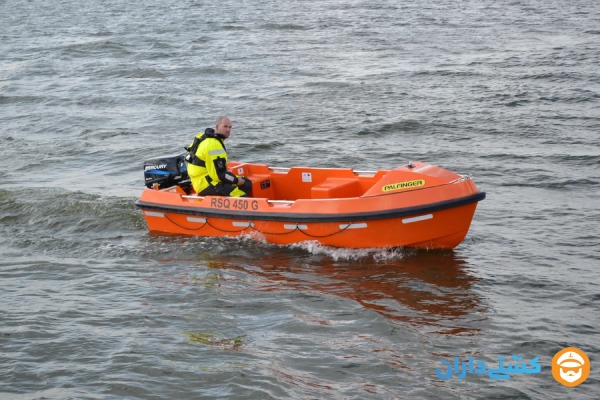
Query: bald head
{"x": 223, "y": 126}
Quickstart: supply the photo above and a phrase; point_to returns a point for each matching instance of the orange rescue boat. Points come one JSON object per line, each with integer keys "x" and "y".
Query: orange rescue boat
{"x": 415, "y": 205}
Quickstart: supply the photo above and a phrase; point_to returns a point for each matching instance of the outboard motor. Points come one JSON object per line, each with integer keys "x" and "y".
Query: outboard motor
{"x": 166, "y": 171}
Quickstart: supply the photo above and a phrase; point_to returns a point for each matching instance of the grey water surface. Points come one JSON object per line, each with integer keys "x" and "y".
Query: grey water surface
{"x": 92, "y": 306}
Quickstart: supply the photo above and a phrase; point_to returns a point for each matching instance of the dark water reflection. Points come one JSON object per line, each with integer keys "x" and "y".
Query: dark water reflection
{"x": 428, "y": 290}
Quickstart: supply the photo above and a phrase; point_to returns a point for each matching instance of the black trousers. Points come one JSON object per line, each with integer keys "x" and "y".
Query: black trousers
{"x": 225, "y": 189}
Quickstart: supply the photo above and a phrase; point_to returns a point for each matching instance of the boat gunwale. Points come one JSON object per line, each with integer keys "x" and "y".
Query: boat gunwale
{"x": 310, "y": 217}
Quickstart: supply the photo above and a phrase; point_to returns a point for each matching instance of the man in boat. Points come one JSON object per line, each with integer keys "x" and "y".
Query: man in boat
{"x": 207, "y": 164}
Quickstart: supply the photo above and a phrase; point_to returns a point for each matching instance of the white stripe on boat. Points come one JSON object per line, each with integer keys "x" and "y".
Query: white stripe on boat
{"x": 354, "y": 226}
{"x": 417, "y": 219}
{"x": 154, "y": 214}
{"x": 284, "y": 202}
{"x": 194, "y": 219}
{"x": 290, "y": 226}
{"x": 244, "y": 224}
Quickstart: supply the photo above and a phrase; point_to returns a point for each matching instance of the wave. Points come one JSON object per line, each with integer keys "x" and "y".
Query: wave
{"x": 284, "y": 27}
{"x": 54, "y": 220}
{"x": 550, "y": 182}
{"x": 134, "y": 73}
{"x": 96, "y": 47}
{"x": 9, "y": 100}
{"x": 392, "y": 127}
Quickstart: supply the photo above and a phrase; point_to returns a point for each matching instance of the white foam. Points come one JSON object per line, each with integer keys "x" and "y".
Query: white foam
{"x": 338, "y": 253}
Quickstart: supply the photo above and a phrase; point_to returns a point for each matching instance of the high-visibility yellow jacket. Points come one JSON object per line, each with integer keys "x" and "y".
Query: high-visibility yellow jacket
{"x": 208, "y": 164}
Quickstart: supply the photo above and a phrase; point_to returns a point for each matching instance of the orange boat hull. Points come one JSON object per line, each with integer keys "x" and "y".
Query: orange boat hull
{"x": 419, "y": 205}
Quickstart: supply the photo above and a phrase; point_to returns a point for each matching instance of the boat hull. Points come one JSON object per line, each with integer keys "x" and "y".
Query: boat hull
{"x": 434, "y": 213}
{"x": 444, "y": 229}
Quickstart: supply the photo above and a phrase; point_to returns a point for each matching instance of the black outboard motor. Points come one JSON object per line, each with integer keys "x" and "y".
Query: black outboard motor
{"x": 166, "y": 171}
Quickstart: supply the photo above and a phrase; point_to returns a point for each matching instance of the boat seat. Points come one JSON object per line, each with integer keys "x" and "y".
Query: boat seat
{"x": 332, "y": 188}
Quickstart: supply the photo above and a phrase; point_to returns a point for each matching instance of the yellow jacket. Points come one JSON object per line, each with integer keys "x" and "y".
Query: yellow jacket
{"x": 209, "y": 166}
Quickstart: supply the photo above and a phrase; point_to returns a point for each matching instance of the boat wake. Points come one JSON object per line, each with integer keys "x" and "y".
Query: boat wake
{"x": 348, "y": 254}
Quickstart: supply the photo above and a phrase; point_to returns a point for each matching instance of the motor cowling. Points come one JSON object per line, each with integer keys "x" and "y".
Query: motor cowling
{"x": 166, "y": 171}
